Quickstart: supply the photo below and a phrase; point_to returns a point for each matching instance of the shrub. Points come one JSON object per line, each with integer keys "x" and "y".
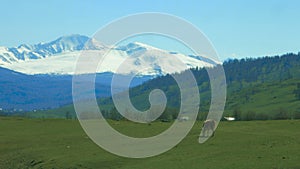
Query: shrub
{"x": 297, "y": 91}
{"x": 237, "y": 114}
{"x": 281, "y": 114}
{"x": 296, "y": 115}
{"x": 249, "y": 115}
{"x": 202, "y": 116}
{"x": 262, "y": 116}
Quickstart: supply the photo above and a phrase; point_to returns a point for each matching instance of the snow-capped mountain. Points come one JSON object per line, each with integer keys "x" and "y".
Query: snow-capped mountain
{"x": 43, "y": 50}
{"x": 26, "y": 83}
{"x": 60, "y": 57}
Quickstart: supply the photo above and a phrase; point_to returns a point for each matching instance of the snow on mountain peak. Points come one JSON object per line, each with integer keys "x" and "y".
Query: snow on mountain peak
{"x": 63, "y": 44}
{"x": 60, "y": 56}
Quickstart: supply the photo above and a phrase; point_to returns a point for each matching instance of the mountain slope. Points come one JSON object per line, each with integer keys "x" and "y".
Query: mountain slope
{"x": 245, "y": 78}
{"x": 28, "y": 92}
{"x": 43, "y": 50}
{"x": 60, "y": 57}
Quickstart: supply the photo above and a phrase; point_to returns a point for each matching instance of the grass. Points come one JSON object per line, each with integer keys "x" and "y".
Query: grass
{"x": 267, "y": 98}
{"x": 58, "y": 143}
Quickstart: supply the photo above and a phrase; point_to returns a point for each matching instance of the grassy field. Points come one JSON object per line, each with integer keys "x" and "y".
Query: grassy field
{"x": 38, "y": 143}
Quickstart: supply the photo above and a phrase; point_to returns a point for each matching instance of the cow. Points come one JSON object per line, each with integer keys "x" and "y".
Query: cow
{"x": 209, "y": 125}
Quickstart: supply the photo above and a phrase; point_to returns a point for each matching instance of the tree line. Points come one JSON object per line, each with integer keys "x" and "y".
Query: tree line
{"x": 240, "y": 74}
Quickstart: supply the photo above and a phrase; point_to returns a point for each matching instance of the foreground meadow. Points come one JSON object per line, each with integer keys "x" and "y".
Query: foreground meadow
{"x": 57, "y": 143}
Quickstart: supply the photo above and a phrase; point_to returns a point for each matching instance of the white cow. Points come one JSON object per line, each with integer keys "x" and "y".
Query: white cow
{"x": 209, "y": 125}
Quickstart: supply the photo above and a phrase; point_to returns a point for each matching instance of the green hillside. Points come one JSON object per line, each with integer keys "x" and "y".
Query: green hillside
{"x": 263, "y": 88}
{"x": 266, "y": 100}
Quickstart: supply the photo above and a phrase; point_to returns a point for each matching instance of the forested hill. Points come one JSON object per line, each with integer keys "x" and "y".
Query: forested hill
{"x": 260, "y": 88}
{"x": 249, "y": 70}
{"x": 266, "y": 69}
{"x": 265, "y": 85}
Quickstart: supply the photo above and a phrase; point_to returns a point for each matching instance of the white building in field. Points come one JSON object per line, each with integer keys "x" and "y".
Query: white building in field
{"x": 183, "y": 118}
{"x": 229, "y": 118}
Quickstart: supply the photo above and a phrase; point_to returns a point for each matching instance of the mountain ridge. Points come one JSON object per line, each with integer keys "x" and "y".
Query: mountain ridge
{"x": 62, "y": 54}
{"x": 24, "y": 92}
{"x": 41, "y": 50}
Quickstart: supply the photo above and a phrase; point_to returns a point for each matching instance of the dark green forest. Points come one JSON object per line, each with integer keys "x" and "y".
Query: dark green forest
{"x": 257, "y": 89}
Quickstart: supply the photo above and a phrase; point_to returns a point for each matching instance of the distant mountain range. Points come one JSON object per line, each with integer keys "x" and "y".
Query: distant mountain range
{"x": 63, "y": 44}
{"x": 21, "y": 92}
{"x": 40, "y": 76}
{"x": 60, "y": 56}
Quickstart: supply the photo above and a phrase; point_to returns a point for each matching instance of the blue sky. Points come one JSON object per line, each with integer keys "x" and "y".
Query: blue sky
{"x": 236, "y": 28}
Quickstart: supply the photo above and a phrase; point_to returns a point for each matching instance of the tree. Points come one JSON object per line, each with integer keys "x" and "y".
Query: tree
{"x": 105, "y": 114}
{"x": 237, "y": 113}
{"x": 249, "y": 115}
{"x": 296, "y": 115}
{"x": 281, "y": 114}
{"x": 169, "y": 114}
{"x": 297, "y": 91}
{"x": 2, "y": 113}
{"x": 115, "y": 115}
{"x": 68, "y": 115}
{"x": 261, "y": 116}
